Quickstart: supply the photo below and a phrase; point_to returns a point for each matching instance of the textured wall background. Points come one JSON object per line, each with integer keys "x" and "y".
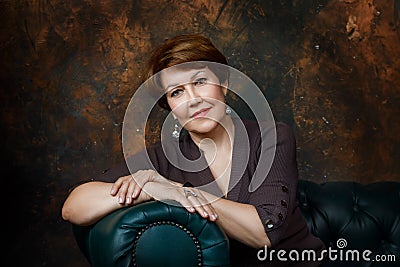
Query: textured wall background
{"x": 331, "y": 69}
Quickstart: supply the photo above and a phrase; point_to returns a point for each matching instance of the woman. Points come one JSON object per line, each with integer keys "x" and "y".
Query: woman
{"x": 268, "y": 216}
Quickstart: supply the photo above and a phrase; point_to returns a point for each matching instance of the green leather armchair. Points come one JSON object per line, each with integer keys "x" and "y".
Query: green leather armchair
{"x": 158, "y": 234}
{"x": 153, "y": 234}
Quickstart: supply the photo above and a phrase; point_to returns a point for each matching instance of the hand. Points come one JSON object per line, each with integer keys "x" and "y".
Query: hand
{"x": 190, "y": 198}
{"x": 129, "y": 187}
{"x": 197, "y": 202}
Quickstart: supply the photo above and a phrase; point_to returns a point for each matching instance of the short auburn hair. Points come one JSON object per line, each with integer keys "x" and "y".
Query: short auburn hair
{"x": 182, "y": 49}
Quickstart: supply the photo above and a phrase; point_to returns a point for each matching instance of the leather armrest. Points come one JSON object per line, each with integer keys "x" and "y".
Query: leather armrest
{"x": 153, "y": 234}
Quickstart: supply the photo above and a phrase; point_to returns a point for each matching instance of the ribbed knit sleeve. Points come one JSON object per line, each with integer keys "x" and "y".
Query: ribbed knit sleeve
{"x": 275, "y": 198}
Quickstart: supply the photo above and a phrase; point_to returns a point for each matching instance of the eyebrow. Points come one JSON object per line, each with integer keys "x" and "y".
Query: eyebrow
{"x": 176, "y": 84}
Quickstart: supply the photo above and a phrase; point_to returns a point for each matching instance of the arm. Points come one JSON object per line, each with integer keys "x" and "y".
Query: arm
{"x": 241, "y": 222}
{"x": 275, "y": 198}
{"x": 91, "y": 201}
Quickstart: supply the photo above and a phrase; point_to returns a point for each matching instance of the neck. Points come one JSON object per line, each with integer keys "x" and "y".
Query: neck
{"x": 222, "y": 135}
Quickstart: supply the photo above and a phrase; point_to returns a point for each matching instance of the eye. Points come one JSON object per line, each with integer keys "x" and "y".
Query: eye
{"x": 175, "y": 92}
{"x": 200, "y": 81}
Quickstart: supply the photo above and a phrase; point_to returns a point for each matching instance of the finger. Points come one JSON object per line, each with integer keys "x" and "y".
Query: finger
{"x": 136, "y": 191}
{"x": 140, "y": 179}
{"x": 198, "y": 206}
{"x": 122, "y": 193}
{"x": 129, "y": 193}
{"x": 202, "y": 206}
{"x": 207, "y": 206}
{"x": 212, "y": 214}
{"x": 208, "y": 209}
{"x": 116, "y": 186}
{"x": 186, "y": 204}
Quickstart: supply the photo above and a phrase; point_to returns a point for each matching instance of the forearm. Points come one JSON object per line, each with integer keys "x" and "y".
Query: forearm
{"x": 90, "y": 202}
{"x": 241, "y": 222}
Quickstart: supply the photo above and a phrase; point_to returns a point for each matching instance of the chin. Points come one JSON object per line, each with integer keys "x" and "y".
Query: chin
{"x": 202, "y": 126}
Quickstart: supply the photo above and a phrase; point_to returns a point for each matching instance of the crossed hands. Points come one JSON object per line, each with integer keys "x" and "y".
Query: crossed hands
{"x": 149, "y": 184}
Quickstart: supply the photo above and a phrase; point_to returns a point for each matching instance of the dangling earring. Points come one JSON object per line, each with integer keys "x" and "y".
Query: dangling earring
{"x": 228, "y": 110}
{"x": 175, "y": 133}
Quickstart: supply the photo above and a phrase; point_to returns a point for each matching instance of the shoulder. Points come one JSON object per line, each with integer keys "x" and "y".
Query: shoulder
{"x": 279, "y": 132}
{"x": 284, "y": 132}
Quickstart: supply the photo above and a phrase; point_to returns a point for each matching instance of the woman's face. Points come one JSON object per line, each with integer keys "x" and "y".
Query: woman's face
{"x": 196, "y": 98}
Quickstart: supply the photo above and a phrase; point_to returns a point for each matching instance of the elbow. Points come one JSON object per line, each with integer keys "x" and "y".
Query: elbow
{"x": 69, "y": 214}
{"x": 73, "y": 209}
{"x": 66, "y": 212}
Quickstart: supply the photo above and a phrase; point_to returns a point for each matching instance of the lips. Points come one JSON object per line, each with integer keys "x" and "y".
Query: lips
{"x": 200, "y": 113}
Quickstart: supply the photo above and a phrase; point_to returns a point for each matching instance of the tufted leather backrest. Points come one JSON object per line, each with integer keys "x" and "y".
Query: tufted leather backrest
{"x": 362, "y": 216}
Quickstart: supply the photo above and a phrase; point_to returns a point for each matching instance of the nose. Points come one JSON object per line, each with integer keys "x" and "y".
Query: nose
{"x": 194, "y": 98}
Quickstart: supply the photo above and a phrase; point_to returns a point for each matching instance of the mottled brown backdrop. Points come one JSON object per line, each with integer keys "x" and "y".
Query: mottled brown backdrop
{"x": 330, "y": 69}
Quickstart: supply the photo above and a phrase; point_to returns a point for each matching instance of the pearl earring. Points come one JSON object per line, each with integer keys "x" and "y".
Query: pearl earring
{"x": 175, "y": 133}
{"x": 228, "y": 110}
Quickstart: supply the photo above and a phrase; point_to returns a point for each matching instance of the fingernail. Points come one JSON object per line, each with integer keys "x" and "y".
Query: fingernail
{"x": 112, "y": 192}
{"x": 205, "y": 213}
{"x": 120, "y": 200}
{"x": 214, "y": 216}
{"x": 128, "y": 200}
{"x": 191, "y": 209}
